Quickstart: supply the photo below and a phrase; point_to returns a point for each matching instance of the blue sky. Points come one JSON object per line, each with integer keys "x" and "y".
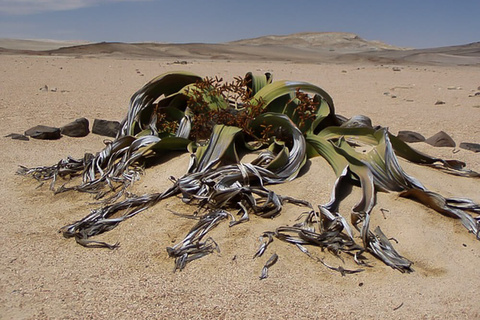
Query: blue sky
{"x": 407, "y": 23}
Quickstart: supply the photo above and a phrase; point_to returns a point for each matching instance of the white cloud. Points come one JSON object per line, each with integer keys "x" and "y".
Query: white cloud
{"x": 24, "y": 7}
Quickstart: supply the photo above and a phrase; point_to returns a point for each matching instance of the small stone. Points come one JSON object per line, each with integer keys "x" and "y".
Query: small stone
{"x": 441, "y": 139}
{"x": 53, "y": 90}
{"x": 396, "y": 69}
{"x": 439, "y": 102}
{"x": 77, "y": 128}
{"x": 43, "y": 132}
{"x": 44, "y": 88}
{"x": 106, "y": 127}
{"x": 17, "y": 136}
{"x": 475, "y": 147}
{"x": 454, "y": 88}
{"x": 410, "y": 136}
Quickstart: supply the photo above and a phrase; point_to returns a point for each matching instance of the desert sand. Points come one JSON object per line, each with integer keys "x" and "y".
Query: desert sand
{"x": 45, "y": 276}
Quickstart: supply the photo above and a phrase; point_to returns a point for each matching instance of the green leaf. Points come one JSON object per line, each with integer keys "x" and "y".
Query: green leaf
{"x": 277, "y": 95}
{"x": 319, "y": 146}
{"x": 171, "y": 143}
{"x": 284, "y": 129}
{"x": 257, "y": 82}
{"x": 221, "y": 146}
{"x": 141, "y": 104}
{"x": 282, "y": 155}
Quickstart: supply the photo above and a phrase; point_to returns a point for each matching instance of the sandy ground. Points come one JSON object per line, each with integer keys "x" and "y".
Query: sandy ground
{"x": 44, "y": 276}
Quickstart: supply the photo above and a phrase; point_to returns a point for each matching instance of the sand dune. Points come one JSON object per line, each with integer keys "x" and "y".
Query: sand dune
{"x": 301, "y": 47}
{"x": 36, "y": 45}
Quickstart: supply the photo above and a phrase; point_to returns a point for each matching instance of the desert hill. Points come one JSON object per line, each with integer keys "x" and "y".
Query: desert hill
{"x": 321, "y": 40}
{"x": 333, "y": 47}
{"x": 36, "y": 45}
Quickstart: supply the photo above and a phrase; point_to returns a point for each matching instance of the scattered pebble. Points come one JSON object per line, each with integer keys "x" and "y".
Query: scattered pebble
{"x": 410, "y": 136}
{"x": 45, "y": 88}
{"x": 396, "y": 69}
{"x": 106, "y": 127}
{"x": 388, "y": 94}
{"x": 475, "y": 147}
{"x": 439, "y": 102}
{"x": 77, "y": 128}
{"x": 43, "y": 132}
{"x": 17, "y": 136}
{"x": 441, "y": 139}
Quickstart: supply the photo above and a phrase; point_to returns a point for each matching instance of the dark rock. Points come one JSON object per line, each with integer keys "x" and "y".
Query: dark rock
{"x": 410, "y": 136}
{"x": 77, "y": 128}
{"x": 17, "y": 136}
{"x": 106, "y": 127}
{"x": 43, "y": 133}
{"x": 439, "y": 102}
{"x": 441, "y": 139}
{"x": 475, "y": 147}
{"x": 359, "y": 121}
